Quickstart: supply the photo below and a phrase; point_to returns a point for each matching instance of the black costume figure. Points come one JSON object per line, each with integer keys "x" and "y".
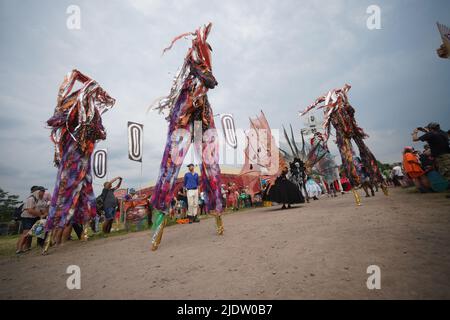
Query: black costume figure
{"x": 298, "y": 176}
{"x": 284, "y": 191}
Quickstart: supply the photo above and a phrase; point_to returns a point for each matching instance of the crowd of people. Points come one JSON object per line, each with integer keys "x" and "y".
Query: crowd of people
{"x": 190, "y": 201}
{"x": 187, "y": 203}
{"x": 428, "y": 170}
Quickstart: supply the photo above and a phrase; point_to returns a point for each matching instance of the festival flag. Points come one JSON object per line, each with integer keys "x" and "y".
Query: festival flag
{"x": 229, "y": 129}
{"x": 135, "y": 141}
{"x": 100, "y": 162}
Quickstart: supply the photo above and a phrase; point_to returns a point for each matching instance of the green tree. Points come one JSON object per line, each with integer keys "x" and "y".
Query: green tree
{"x": 8, "y": 204}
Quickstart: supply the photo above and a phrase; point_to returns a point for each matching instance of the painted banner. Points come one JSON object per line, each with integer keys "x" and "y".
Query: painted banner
{"x": 229, "y": 129}
{"x": 135, "y": 141}
{"x": 100, "y": 162}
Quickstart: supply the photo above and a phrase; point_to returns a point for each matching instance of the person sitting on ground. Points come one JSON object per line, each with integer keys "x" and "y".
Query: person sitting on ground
{"x": 414, "y": 170}
{"x": 438, "y": 141}
{"x": 31, "y": 213}
{"x": 110, "y": 203}
{"x": 43, "y": 206}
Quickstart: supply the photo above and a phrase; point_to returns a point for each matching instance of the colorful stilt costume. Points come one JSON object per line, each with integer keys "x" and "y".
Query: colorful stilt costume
{"x": 189, "y": 113}
{"x": 340, "y": 114}
{"x": 284, "y": 191}
{"x": 76, "y": 127}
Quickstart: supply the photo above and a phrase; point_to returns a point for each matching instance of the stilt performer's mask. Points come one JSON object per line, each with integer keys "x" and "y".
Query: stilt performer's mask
{"x": 199, "y": 56}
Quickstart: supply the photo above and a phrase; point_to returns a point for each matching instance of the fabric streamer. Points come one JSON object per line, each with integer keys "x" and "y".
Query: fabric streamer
{"x": 76, "y": 127}
{"x": 135, "y": 141}
{"x": 189, "y": 111}
{"x": 100, "y": 163}
{"x": 444, "y": 49}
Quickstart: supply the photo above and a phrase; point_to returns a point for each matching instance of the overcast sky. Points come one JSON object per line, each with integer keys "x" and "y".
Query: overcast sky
{"x": 278, "y": 56}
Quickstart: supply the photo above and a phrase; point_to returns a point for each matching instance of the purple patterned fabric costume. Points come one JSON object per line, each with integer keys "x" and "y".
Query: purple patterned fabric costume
{"x": 76, "y": 127}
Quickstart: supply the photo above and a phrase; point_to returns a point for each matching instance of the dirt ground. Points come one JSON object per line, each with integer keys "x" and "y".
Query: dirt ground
{"x": 319, "y": 250}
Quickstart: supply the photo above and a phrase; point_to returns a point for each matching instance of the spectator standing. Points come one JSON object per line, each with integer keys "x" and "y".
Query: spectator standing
{"x": 191, "y": 183}
{"x": 110, "y": 203}
{"x": 438, "y": 141}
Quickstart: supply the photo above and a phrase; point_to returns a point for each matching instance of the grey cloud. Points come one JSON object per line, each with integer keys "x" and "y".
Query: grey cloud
{"x": 273, "y": 55}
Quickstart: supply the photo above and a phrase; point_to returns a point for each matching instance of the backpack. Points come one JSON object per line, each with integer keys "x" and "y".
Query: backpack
{"x": 17, "y": 215}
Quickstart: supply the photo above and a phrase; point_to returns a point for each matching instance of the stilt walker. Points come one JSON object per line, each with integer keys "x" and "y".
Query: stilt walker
{"x": 190, "y": 120}
{"x": 340, "y": 114}
{"x": 76, "y": 127}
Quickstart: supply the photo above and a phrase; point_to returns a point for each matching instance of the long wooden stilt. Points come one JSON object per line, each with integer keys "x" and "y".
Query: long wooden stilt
{"x": 48, "y": 242}
{"x": 357, "y": 197}
{"x": 157, "y": 236}
{"x": 85, "y": 232}
{"x": 219, "y": 225}
{"x": 385, "y": 189}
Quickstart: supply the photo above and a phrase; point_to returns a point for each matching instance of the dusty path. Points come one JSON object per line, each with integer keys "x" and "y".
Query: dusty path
{"x": 320, "y": 250}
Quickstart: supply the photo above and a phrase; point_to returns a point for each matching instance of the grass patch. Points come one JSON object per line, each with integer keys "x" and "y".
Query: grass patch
{"x": 8, "y": 243}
